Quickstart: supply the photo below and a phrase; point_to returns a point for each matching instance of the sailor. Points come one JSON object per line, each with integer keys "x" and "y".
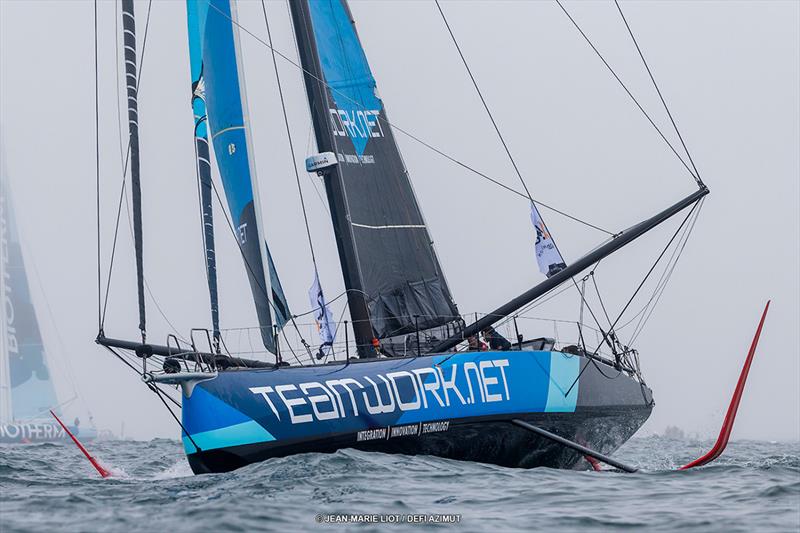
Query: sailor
{"x": 475, "y": 344}
{"x": 495, "y": 340}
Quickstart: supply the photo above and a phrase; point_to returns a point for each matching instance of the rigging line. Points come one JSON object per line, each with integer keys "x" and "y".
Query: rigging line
{"x": 144, "y": 278}
{"x": 137, "y": 371}
{"x": 289, "y": 137}
{"x": 502, "y": 140}
{"x": 289, "y": 345}
{"x": 551, "y": 294}
{"x": 640, "y": 326}
{"x": 246, "y": 262}
{"x": 664, "y": 274}
{"x": 483, "y": 101}
{"x": 314, "y": 310}
{"x": 308, "y": 118}
{"x": 600, "y": 298}
{"x": 124, "y": 169}
{"x": 647, "y": 116}
{"x": 97, "y": 171}
{"x": 335, "y": 333}
{"x": 403, "y": 131}
{"x": 683, "y": 222}
{"x": 658, "y": 90}
{"x": 158, "y": 393}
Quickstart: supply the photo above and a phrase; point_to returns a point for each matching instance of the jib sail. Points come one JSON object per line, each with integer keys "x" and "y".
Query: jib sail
{"x": 226, "y": 102}
{"x": 385, "y": 249}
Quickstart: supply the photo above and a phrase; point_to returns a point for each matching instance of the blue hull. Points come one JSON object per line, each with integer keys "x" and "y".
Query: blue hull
{"x": 456, "y": 406}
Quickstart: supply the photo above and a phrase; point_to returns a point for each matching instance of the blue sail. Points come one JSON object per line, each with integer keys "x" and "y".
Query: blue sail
{"x": 213, "y": 38}
{"x": 196, "y": 16}
{"x": 23, "y": 354}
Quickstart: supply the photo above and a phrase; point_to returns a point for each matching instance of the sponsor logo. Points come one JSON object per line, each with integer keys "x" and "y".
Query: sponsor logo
{"x": 389, "y": 432}
{"x": 31, "y": 432}
{"x": 468, "y": 383}
{"x": 362, "y": 124}
{"x": 8, "y": 305}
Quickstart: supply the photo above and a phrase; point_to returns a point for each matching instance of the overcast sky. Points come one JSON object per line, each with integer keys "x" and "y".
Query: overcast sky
{"x": 729, "y": 71}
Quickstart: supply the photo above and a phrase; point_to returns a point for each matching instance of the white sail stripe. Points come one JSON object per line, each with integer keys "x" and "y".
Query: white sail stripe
{"x": 129, "y": 31}
{"x": 220, "y": 132}
{"x": 204, "y": 160}
{"x": 390, "y": 226}
{"x": 130, "y": 48}
{"x": 131, "y": 63}
{"x": 128, "y": 14}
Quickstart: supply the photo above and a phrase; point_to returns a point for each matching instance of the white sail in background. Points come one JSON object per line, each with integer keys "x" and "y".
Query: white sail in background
{"x": 547, "y": 255}
{"x": 322, "y": 315}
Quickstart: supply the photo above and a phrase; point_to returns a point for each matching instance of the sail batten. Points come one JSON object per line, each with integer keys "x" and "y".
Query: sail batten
{"x": 388, "y": 261}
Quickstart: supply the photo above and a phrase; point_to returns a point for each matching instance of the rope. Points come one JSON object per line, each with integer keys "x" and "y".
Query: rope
{"x": 246, "y": 262}
{"x": 640, "y": 326}
{"x": 483, "y": 101}
{"x": 635, "y": 101}
{"x": 401, "y": 130}
{"x": 658, "y": 90}
{"x": 158, "y": 393}
{"x": 664, "y": 278}
{"x": 289, "y": 136}
{"x": 605, "y": 336}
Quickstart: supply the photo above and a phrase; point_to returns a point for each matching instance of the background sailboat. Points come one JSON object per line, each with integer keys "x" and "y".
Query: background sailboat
{"x": 27, "y": 391}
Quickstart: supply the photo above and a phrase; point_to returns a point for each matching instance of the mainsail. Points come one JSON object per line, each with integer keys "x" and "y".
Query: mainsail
{"x": 221, "y": 74}
{"x": 27, "y": 390}
{"x": 385, "y": 249}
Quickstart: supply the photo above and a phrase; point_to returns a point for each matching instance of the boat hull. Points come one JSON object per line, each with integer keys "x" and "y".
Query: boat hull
{"x": 458, "y": 407}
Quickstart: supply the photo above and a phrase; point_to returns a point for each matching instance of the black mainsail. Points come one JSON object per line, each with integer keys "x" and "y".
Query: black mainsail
{"x": 394, "y": 281}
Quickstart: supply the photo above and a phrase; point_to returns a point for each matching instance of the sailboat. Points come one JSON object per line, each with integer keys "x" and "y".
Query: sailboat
{"x": 26, "y": 385}
{"x": 421, "y": 379}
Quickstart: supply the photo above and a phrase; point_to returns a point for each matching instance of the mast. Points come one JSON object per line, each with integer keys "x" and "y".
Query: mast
{"x": 584, "y": 262}
{"x": 132, "y": 83}
{"x": 316, "y": 90}
{"x": 196, "y": 16}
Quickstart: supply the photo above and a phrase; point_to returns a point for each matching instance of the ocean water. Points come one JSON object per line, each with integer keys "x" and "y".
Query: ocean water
{"x": 754, "y": 486}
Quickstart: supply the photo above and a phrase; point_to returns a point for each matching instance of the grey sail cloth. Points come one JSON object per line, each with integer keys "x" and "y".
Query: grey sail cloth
{"x": 388, "y": 252}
